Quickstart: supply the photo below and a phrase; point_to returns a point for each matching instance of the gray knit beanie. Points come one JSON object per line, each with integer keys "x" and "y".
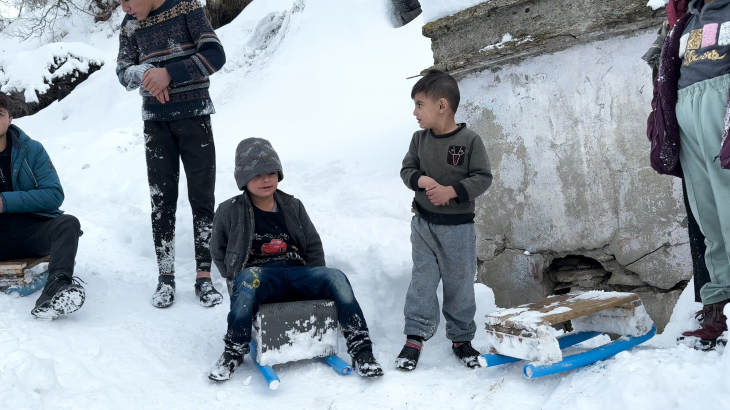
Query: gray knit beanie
{"x": 255, "y": 156}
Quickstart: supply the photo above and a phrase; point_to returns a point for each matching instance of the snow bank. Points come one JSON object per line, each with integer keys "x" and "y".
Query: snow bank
{"x": 34, "y": 71}
{"x": 25, "y": 380}
{"x": 437, "y": 9}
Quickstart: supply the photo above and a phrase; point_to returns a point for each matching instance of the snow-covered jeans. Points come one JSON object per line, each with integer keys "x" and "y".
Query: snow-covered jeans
{"x": 700, "y": 113}
{"x": 166, "y": 143}
{"x": 290, "y": 281}
{"x": 24, "y": 235}
{"x": 442, "y": 253}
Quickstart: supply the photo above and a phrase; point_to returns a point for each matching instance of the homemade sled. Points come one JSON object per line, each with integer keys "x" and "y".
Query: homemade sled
{"x": 289, "y": 331}
{"x": 523, "y": 333}
{"x": 16, "y": 276}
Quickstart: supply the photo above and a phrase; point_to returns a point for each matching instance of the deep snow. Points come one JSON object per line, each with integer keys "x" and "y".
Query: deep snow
{"x": 325, "y": 81}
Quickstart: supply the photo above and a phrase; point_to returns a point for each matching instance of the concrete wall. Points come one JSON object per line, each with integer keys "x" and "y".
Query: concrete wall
{"x": 565, "y": 132}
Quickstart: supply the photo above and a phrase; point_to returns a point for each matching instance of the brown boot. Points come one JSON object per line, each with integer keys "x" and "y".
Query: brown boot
{"x": 712, "y": 322}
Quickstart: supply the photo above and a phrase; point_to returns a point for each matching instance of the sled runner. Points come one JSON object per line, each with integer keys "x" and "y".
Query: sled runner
{"x": 290, "y": 331}
{"x": 523, "y": 333}
{"x": 15, "y": 276}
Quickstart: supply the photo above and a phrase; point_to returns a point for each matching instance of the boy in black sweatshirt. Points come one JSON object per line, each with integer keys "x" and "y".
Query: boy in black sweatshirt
{"x": 448, "y": 168}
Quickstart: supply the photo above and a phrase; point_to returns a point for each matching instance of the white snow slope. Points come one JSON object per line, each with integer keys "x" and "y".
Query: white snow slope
{"x": 325, "y": 81}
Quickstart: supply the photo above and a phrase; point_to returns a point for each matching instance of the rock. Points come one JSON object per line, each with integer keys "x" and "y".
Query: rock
{"x": 625, "y": 278}
{"x": 580, "y": 275}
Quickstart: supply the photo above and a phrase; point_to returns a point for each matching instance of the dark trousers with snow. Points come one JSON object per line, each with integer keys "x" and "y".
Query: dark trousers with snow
{"x": 166, "y": 143}
{"x": 289, "y": 281}
{"x": 28, "y": 235}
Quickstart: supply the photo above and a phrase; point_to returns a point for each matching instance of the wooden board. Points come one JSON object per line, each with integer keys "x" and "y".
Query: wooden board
{"x": 558, "y": 309}
{"x": 20, "y": 266}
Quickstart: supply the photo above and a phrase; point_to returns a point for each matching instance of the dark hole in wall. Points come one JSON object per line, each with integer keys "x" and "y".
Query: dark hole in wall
{"x": 576, "y": 272}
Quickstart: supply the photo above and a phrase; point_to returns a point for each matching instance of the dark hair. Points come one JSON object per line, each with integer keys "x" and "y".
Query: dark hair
{"x": 437, "y": 84}
{"x": 6, "y": 103}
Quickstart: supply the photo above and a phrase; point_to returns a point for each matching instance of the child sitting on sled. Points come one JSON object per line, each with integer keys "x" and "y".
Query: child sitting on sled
{"x": 268, "y": 250}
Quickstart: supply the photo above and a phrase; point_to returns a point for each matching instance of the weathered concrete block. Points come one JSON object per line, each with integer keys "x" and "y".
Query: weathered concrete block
{"x": 565, "y": 133}
{"x": 660, "y": 306}
{"x": 516, "y": 278}
{"x": 665, "y": 267}
{"x": 474, "y": 38}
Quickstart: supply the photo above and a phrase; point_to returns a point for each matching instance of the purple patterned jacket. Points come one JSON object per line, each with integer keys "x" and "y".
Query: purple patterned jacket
{"x": 662, "y": 126}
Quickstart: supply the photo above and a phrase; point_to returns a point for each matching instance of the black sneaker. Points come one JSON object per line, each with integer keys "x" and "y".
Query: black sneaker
{"x": 165, "y": 294}
{"x": 207, "y": 294}
{"x": 231, "y": 358}
{"x": 366, "y": 365}
{"x": 469, "y": 356}
{"x": 408, "y": 358}
{"x": 61, "y": 295}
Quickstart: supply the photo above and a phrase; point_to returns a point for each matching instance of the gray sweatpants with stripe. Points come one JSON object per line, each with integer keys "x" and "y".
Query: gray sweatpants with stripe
{"x": 442, "y": 253}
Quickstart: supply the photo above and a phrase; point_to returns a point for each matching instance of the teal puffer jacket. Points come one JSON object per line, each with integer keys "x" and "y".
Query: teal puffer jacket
{"x": 36, "y": 187}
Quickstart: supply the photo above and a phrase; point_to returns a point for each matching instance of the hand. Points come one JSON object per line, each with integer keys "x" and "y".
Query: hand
{"x": 425, "y": 182}
{"x": 156, "y": 81}
{"x": 440, "y": 195}
{"x": 163, "y": 96}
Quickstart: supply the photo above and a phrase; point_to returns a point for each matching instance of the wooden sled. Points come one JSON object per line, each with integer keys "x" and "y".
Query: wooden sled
{"x": 289, "y": 331}
{"x": 15, "y": 276}
{"x": 523, "y": 333}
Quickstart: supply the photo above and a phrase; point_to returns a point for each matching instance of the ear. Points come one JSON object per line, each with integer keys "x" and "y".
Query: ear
{"x": 443, "y": 105}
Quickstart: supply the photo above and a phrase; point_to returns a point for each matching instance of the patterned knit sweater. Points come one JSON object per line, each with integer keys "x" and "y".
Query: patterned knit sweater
{"x": 178, "y": 37}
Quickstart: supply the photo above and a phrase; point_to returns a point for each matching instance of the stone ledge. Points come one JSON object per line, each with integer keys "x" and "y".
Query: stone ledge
{"x": 471, "y": 39}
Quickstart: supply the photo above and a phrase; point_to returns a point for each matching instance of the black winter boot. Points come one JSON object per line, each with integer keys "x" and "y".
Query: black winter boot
{"x": 366, "y": 365}
{"x": 408, "y": 357}
{"x": 61, "y": 295}
{"x": 207, "y": 294}
{"x": 165, "y": 294}
{"x": 231, "y": 358}
{"x": 469, "y": 356}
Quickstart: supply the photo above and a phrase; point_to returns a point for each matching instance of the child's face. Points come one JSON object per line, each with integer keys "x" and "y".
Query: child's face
{"x": 428, "y": 111}
{"x": 138, "y": 9}
{"x": 263, "y": 186}
{"x": 5, "y": 121}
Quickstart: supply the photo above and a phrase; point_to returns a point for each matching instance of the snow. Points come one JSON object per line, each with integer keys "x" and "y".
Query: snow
{"x": 330, "y": 92}
{"x": 657, "y": 4}
{"x": 437, "y": 9}
{"x": 29, "y": 71}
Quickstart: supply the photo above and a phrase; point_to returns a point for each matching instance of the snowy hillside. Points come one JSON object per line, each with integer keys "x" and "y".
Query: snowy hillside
{"x": 325, "y": 82}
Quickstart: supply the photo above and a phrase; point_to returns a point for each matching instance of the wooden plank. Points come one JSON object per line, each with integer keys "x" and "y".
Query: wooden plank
{"x": 21, "y": 265}
{"x": 562, "y": 308}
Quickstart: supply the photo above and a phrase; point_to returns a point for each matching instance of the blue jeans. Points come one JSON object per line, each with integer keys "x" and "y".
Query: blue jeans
{"x": 289, "y": 281}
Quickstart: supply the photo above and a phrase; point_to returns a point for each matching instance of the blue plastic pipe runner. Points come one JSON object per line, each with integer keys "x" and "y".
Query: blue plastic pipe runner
{"x": 338, "y": 364}
{"x": 532, "y": 371}
{"x": 565, "y": 341}
{"x": 267, "y": 371}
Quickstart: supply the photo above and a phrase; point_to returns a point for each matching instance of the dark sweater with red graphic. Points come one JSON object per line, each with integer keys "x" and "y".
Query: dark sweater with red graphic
{"x": 457, "y": 159}
{"x": 271, "y": 240}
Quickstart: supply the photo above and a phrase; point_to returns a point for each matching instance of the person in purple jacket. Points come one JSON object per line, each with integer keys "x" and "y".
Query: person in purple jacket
{"x": 690, "y": 123}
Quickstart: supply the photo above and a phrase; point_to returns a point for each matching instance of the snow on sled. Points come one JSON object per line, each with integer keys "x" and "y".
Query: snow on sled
{"x": 19, "y": 275}
{"x": 523, "y": 333}
{"x": 289, "y": 331}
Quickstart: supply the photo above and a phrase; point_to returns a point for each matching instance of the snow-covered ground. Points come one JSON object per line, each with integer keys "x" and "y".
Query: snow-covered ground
{"x": 325, "y": 81}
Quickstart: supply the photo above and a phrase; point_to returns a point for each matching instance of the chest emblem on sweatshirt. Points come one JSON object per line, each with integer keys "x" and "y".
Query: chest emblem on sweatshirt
{"x": 456, "y": 155}
{"x": 695, "y": 39}
{"x": 274, "y": 247}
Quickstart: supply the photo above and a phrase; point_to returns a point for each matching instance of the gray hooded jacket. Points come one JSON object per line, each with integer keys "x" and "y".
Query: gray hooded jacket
{"x": 233, "y": 229}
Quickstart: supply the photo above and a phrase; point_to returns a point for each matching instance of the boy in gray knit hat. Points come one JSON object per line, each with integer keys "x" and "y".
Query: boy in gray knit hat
{"x": 267, "y": 248}
{"x": 448, "y": 168}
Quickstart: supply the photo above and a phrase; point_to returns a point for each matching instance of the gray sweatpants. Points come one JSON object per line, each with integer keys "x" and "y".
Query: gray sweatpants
{"x": 701, "y": 113}
{"x": 448, "y": 253}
